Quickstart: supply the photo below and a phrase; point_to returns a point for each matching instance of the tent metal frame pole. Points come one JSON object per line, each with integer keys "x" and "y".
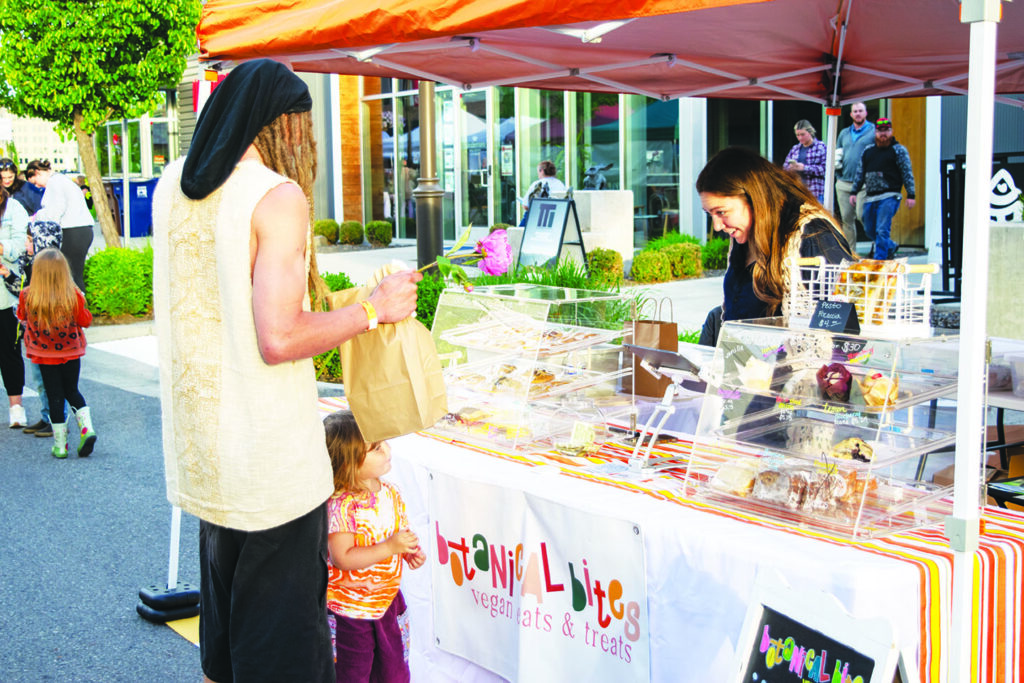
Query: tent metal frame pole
{"x": 832, "y": 133}
{"x": 962, "y": 528}
{"x": 428, "y": 192}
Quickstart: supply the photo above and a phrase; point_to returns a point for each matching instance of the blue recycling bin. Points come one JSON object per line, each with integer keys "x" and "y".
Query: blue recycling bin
{"x": 140, "y": 205}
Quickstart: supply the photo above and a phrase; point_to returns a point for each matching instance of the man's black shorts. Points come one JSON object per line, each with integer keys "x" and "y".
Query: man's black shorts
{"x": 263, "y": 610}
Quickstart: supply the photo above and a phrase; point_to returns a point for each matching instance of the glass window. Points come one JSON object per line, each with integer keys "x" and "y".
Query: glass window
{"x": 160, "y": 135}
{"x": 506, "y": 211}
{"x": 542, "y": 133}
{"x": 475, "y": 162}
{"x": 445, "y": 121}
{"x": 597, "y": 141}
{"x": 652, "y": 162}
{"x": 409, "y": 152}
{"x": 733, "y": 122}
{"x": 135, "y": 148}
{"x": 382, "y": 158}
{"x": 784, "y": 118}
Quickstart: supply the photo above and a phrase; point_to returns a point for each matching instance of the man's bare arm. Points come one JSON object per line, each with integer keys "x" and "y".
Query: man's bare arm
{"x": 285, "y": 332}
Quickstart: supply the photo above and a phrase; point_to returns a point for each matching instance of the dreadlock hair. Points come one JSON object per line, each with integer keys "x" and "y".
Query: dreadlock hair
{"x": 287, "y": 146}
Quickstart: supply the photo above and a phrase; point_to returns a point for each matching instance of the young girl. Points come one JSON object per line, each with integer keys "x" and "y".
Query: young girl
{"x": 368, "y": 539}
{"x": 54, "y": 313}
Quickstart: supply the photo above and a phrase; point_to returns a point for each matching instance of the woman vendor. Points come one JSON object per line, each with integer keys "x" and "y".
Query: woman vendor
{"x": 769, "y": 216}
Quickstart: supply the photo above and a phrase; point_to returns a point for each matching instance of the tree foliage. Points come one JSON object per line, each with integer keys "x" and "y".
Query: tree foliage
{"x": 80, "y": 63}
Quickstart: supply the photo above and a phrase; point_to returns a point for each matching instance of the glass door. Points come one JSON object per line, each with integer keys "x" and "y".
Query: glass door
{"x": 475, "y": 158}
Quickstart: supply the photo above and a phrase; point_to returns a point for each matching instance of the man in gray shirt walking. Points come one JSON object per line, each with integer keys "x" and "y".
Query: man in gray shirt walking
{"x": 850, "y": 145}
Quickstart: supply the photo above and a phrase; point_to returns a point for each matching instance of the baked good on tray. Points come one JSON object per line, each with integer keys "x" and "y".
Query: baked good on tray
{"x": 834, "y": 382}
{"x": 871, "y": 285}
{"x": 852, "y": 449}
{"x": 880, "y": 389}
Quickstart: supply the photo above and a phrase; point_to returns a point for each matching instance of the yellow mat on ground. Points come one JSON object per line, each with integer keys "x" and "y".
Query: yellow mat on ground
{"x": 187, "y": 629}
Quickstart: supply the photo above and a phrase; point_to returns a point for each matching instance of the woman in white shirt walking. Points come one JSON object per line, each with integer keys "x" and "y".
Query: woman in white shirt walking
{"x": 64, "y": 203}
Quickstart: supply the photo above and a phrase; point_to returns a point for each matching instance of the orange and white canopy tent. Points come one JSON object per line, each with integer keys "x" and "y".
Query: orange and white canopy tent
{"x": 827, "y": 51}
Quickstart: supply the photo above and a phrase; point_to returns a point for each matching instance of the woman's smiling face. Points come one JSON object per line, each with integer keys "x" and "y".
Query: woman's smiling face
{"x": 730, "y": 215}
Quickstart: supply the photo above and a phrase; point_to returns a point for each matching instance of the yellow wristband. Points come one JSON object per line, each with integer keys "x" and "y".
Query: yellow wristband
{"x": 371, "y": 314}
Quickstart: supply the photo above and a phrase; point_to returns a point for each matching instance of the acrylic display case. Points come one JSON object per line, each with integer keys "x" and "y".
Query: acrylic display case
{"x": 826, "y": 430}
{"x": 531, "y": 367}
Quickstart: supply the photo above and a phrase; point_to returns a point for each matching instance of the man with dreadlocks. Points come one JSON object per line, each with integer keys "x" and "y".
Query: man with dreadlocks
{"x": 244, "y": 448}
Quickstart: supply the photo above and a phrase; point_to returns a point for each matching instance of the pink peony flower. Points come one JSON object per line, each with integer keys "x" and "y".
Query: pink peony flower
{"x": 495, "y": 253}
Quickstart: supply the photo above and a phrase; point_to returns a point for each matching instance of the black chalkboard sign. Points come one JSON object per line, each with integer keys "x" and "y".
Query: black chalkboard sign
{"x": 836, "y": 316}
{"x": 552, "y": 230}
{"x": 787, "y": 650}
{"x": 792, "y": 636}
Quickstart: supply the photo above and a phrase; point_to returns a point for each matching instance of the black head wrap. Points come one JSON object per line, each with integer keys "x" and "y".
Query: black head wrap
{"x": 253, "y": 94}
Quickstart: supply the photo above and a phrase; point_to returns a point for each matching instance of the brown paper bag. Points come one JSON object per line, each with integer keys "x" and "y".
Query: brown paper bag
{"x": 654, "y": 334}
{"x": 392, "y": 375}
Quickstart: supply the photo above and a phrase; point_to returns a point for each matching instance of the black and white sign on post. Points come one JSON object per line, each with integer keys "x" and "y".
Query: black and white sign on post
{"x": 552, "y": 231}
{"x": 803, "y": 636}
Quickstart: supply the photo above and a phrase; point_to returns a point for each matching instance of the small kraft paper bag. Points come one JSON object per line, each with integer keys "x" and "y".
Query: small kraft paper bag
{"x": 654, "y": 334}
{"x": 392, "y": 375}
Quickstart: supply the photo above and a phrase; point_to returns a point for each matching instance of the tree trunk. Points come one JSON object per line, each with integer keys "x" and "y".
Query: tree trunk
{"x": 87, "y": 150}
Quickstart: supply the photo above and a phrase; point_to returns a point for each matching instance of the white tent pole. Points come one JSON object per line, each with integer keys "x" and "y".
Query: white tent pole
{"x": 832, "y": 132}
{"x": 963, "y": 527}
{"x": 172, "y": 564}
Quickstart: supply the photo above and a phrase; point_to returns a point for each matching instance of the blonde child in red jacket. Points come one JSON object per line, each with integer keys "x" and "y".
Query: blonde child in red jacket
{"x": 53, "y": 310}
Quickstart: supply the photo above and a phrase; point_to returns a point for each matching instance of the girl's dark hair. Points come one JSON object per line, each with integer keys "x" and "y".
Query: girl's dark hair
{"x": 547, "y": 168}
{"x": 36, "y": 165}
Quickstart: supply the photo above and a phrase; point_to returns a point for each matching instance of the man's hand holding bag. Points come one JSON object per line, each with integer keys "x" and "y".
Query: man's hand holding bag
{"x": 392, "y": 375}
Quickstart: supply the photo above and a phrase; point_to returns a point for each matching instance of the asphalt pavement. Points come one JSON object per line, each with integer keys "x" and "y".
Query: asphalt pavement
{"x": 83, "y": 535}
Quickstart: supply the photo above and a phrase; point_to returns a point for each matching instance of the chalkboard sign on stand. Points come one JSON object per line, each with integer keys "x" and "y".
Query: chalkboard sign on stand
{"x": 549, "y": 234}
{"x": 836, "y": 316}
{"x": 791, "y": 635}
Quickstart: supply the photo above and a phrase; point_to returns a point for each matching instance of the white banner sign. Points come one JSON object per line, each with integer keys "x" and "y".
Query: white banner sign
{"x": 534, "y": 590}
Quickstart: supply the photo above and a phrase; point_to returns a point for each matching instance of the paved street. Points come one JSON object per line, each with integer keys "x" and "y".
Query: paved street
{"x": 81, "y": 537}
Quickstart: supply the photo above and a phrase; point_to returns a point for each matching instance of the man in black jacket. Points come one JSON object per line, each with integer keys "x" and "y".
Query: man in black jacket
{"x": 884, "y": 169}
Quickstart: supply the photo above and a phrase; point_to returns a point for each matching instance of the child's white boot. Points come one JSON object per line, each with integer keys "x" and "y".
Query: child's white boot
{"x": 88, "y": 439}
{"x": 60, "y": 440}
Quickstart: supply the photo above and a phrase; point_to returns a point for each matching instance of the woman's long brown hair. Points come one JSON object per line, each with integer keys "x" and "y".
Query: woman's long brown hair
{"x": 740, "y": 172}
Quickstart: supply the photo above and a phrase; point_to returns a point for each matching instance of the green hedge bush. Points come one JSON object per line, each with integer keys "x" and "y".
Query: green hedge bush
{"x": 669, "y": 238}
{"x": 379, "y": 233}
{"x": 350, "y": 232}
{"x": 651, "y": 266}
{"x": 428, "y": 291}
{"x": 606, "y": 268}
{"x": 715, "y": 253}
{"x": 684, "y": 259}
{"x": 328, "y": 363}
{"x": 119, "y": 282}
{"x": 328, "y": 228}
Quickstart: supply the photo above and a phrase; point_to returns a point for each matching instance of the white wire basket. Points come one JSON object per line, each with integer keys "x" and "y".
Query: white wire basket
{"x": 893, "y": 298}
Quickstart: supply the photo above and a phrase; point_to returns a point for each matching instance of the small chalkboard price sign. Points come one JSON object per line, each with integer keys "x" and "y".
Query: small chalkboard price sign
{"x": 836, "y": 316}
{"x": 803, "y": 637}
